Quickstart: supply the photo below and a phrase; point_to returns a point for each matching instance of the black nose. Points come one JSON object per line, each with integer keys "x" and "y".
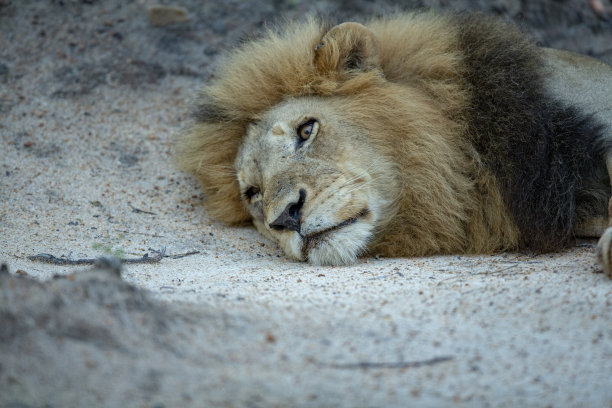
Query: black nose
{"x": 290, "y": 217}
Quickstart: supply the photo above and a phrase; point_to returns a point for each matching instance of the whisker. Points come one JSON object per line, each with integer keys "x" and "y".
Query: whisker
{"x": 356, "y": 187}
{"x": 352, "y": 179}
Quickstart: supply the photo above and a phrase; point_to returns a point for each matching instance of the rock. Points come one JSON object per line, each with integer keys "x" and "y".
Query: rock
{"x": 166, "y": 15}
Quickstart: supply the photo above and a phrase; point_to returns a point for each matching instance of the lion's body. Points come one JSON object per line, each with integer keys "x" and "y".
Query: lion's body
{"x": 436, "y": 134}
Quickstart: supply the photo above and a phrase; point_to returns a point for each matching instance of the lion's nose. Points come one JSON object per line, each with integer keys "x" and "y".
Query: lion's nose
{"x": 290, "y": 217}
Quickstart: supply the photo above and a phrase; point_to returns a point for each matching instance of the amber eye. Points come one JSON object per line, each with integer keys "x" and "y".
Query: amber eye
{"x": 308, "y": 129}
{"x": 250, "y": 192}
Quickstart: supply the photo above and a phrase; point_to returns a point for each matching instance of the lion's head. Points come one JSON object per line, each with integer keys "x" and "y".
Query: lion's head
{"x": 337, "y": 141}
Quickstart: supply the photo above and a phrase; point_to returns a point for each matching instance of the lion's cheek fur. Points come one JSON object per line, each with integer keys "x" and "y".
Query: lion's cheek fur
{"x": 343, "y": 247}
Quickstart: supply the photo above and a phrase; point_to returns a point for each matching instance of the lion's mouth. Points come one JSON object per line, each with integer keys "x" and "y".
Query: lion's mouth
{"x": 310, "y": 241}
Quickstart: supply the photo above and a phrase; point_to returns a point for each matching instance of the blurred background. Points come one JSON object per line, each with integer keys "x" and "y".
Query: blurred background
{"x": 87, "y": 38}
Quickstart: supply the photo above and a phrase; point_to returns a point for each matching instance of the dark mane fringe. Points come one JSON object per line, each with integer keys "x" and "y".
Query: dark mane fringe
{"x": 543, "y": 153}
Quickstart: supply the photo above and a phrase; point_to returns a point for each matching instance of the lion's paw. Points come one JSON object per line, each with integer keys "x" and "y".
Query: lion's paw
{"x": 604, "y": 251}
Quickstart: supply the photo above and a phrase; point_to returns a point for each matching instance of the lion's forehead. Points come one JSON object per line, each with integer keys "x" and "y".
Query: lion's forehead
{"x": 272, "y": 150}
{"x": 268, "y": 148}
{"x": 270, "y": 153}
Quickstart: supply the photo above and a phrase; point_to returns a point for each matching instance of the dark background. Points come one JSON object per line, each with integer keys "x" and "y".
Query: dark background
{"x": 91, "y": 39}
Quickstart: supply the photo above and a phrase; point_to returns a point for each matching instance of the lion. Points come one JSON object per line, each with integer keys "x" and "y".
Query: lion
{"x": 411, "y": 135}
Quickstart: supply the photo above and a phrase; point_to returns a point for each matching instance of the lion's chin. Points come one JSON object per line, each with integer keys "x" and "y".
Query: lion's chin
{"x": 337, "y": 247}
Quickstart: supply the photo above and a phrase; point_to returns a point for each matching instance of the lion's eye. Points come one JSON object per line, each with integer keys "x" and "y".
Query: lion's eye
{"x": 308, "y": 129}
{"x": 250, "y": 192}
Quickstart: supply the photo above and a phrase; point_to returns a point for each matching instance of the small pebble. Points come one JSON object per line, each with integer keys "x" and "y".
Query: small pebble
{"x": 166, "y": 15}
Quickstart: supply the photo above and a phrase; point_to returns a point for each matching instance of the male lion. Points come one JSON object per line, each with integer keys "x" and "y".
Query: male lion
{"x": 413, "y": 135}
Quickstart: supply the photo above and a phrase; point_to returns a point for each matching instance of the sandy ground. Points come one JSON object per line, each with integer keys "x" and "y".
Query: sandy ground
{"x": 91, "y": 97}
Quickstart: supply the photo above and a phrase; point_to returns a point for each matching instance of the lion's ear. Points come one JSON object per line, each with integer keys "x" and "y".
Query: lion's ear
{"x": 347, "y": 47}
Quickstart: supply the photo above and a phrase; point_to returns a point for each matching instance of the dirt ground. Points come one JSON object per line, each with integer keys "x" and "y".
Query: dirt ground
{"x": 92, "y": 96}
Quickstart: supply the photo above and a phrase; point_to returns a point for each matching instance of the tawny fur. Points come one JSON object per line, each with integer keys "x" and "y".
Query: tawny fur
{"x": 406, "y": 88}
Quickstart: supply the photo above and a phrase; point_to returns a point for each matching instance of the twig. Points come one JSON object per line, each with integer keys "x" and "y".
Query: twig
{"x": 175, "y": 256}
{"x": 138, "y": 210}
{"x": 159, "y": 255}
{"x": 51, "y": 259}
{"x": 178, "y": 256}
{"x": 146, "y": 258}
{"x": 140, "y": 233}
{"x": 393, "y": 365}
